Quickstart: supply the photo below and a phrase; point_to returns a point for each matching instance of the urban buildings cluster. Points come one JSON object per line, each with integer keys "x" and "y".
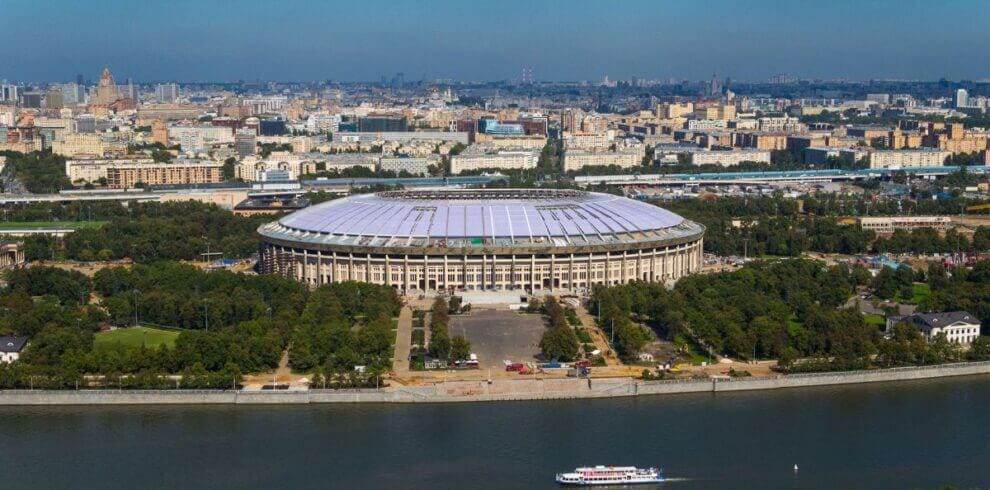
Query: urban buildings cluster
{"x": 108, "y": 132}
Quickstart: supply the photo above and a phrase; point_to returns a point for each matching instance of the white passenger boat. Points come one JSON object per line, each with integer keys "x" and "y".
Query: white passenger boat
{"x": 610, "y": 475}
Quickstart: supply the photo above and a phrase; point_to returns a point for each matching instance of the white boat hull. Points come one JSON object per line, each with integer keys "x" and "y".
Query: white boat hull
{"x": 603, "y": 483}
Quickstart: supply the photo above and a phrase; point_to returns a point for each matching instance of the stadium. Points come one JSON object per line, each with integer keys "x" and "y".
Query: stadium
{"x": 530, "y": 240}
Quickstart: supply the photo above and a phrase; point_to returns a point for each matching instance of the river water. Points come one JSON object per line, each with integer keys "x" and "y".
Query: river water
{"x": 908, "y": 435}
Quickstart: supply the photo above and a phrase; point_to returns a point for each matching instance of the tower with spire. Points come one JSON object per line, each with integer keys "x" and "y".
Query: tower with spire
{"x": 106, "y": 90}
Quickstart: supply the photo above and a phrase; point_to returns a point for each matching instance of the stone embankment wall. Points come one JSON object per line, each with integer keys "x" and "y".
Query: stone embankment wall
{"x": 473, "y": 391}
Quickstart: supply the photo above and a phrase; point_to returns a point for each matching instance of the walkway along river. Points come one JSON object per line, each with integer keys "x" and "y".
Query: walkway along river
{"x": 500, "y": 390}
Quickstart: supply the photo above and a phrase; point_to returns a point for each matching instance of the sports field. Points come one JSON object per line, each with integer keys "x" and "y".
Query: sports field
{"x": 136, "y": 336}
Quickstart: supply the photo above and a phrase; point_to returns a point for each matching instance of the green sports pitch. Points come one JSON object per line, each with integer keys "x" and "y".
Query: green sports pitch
{"x": 137, "y": 336}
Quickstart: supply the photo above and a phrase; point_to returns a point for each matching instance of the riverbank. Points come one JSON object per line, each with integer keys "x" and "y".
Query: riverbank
{"x": 478, "y": 391}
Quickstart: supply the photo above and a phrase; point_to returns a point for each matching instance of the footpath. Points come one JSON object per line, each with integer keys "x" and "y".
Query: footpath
{"x": 497, "y": 390}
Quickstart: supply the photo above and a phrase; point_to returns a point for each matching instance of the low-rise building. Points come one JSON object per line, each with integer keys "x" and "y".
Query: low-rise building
{"x": 588, "y": 141}
{"x": 760, "y": 140}
{"x": 179, "y": 172}
{"x": 93, "y": 170}
{"x": 959, "y": 327}
{"x": 706, "y": 124}
{"x": 908, "y": 158}
{"x": 625, "y": 158}
{"x": 820, "y": 155}
{"x": 888, "y": 224}
{"x": 290, "y": 166}
{"x": 401, "y": 136}
{"x": 11, "y": 347}
{"x": 411, "y": 165}
{"x": 479, "y": 157}
{"x": 72, "y": 145}
{"x": 512, "y": 142}
{"x": 729, "y": 158}
{"x": 12, "y": 254}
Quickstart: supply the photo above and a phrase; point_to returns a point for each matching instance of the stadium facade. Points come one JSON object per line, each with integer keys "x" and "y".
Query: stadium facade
{"x": 530, "y": 240}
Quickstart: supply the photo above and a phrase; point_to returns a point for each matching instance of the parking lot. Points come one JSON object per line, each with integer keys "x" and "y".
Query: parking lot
{"x": 499, "y": 334}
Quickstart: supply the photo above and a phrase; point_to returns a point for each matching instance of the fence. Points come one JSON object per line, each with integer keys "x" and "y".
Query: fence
{"x": 531, "y": 389}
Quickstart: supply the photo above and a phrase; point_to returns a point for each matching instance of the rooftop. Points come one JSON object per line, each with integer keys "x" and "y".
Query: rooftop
{"x": 12, "y": 343}
{"x": 502, "y": 217}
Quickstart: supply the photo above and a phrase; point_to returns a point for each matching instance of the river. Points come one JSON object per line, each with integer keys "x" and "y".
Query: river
{"x": 919, "y": 434}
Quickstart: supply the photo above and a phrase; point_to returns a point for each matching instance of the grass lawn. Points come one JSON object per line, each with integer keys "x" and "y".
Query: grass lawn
{"x": 41, "y": 225}
{"x": 877, "y": 320}
{"x": 920, "y": 292}
{"x": 135, "y": 336}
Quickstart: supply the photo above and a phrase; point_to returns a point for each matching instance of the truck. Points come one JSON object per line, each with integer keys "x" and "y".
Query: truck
{"x": 515, "y": 366}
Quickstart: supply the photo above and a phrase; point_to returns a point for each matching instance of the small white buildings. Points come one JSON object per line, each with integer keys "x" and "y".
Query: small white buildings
{"x": 479, "y": 157}
{"x": 959, "y": 327}
{"x": 11, "y": 347}
{"x": 412, "y": 165}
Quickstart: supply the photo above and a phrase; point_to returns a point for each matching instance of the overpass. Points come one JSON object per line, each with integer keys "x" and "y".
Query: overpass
{"x": 261, "y": 189}
{"x": 756, "y": 178}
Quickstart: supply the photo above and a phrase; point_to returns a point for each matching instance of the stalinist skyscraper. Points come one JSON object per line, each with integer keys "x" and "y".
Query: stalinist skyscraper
{"x": 106, "y": 91}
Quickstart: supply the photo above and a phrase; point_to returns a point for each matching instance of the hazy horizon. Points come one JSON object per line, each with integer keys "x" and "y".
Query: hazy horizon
{"x": 306, "y": 40}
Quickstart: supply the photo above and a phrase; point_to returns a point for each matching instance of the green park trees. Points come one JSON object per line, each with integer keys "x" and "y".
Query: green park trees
{"x": 559, "y": 342}
{"x": 229, "y": 324}
{"x": 442, "y": 344}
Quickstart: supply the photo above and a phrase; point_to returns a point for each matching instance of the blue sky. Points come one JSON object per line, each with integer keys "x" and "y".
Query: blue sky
{"x": 190, "y": 40}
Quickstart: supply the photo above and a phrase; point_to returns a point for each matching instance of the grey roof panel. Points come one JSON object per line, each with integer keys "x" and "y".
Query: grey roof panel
{"x": 516, "y": 216}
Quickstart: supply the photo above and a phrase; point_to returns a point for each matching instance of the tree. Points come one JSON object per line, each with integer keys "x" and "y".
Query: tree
{"x": 440, "y": 342}
{"x": 460, "y": 348}
{"x": 559, "y": 343}
{"x": 980, "y": 349}
{"x": 440, "y": 312}
{"x": 231, "y": 374}
{"x": 229, "y": 168}
{"x": 630, "y": 338}
{"x": 455, "y": 304}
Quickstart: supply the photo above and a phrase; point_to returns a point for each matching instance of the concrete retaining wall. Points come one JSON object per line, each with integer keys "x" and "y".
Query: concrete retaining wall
{"x": 475, "y": 391}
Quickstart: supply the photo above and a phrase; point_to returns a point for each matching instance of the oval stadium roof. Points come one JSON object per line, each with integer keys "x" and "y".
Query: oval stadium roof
{"x": 473, "y": 217}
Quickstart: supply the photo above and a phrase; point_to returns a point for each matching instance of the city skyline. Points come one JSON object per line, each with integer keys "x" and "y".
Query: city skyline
{"x": 307, "y": 40}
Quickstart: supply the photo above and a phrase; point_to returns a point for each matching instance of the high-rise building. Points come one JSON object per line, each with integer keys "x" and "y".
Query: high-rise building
{"x": 54, "y": 99}
{"x": 159, "y": 132}
{"x": 272, "y": 127}
{"x": 245, "y": 143}
{"x": 32, "y": 100}
{"x": 167, "y": 93}
{"x": 73, "y": 93}
{"x": 961, "y": 98}
{"x": 130, "y": 90}
{"x": 8, "y": 93}
{"x": 106, "y": 91}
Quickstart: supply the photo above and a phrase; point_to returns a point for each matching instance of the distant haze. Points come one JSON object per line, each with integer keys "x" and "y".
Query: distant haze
{"x": 201, "y": 40}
